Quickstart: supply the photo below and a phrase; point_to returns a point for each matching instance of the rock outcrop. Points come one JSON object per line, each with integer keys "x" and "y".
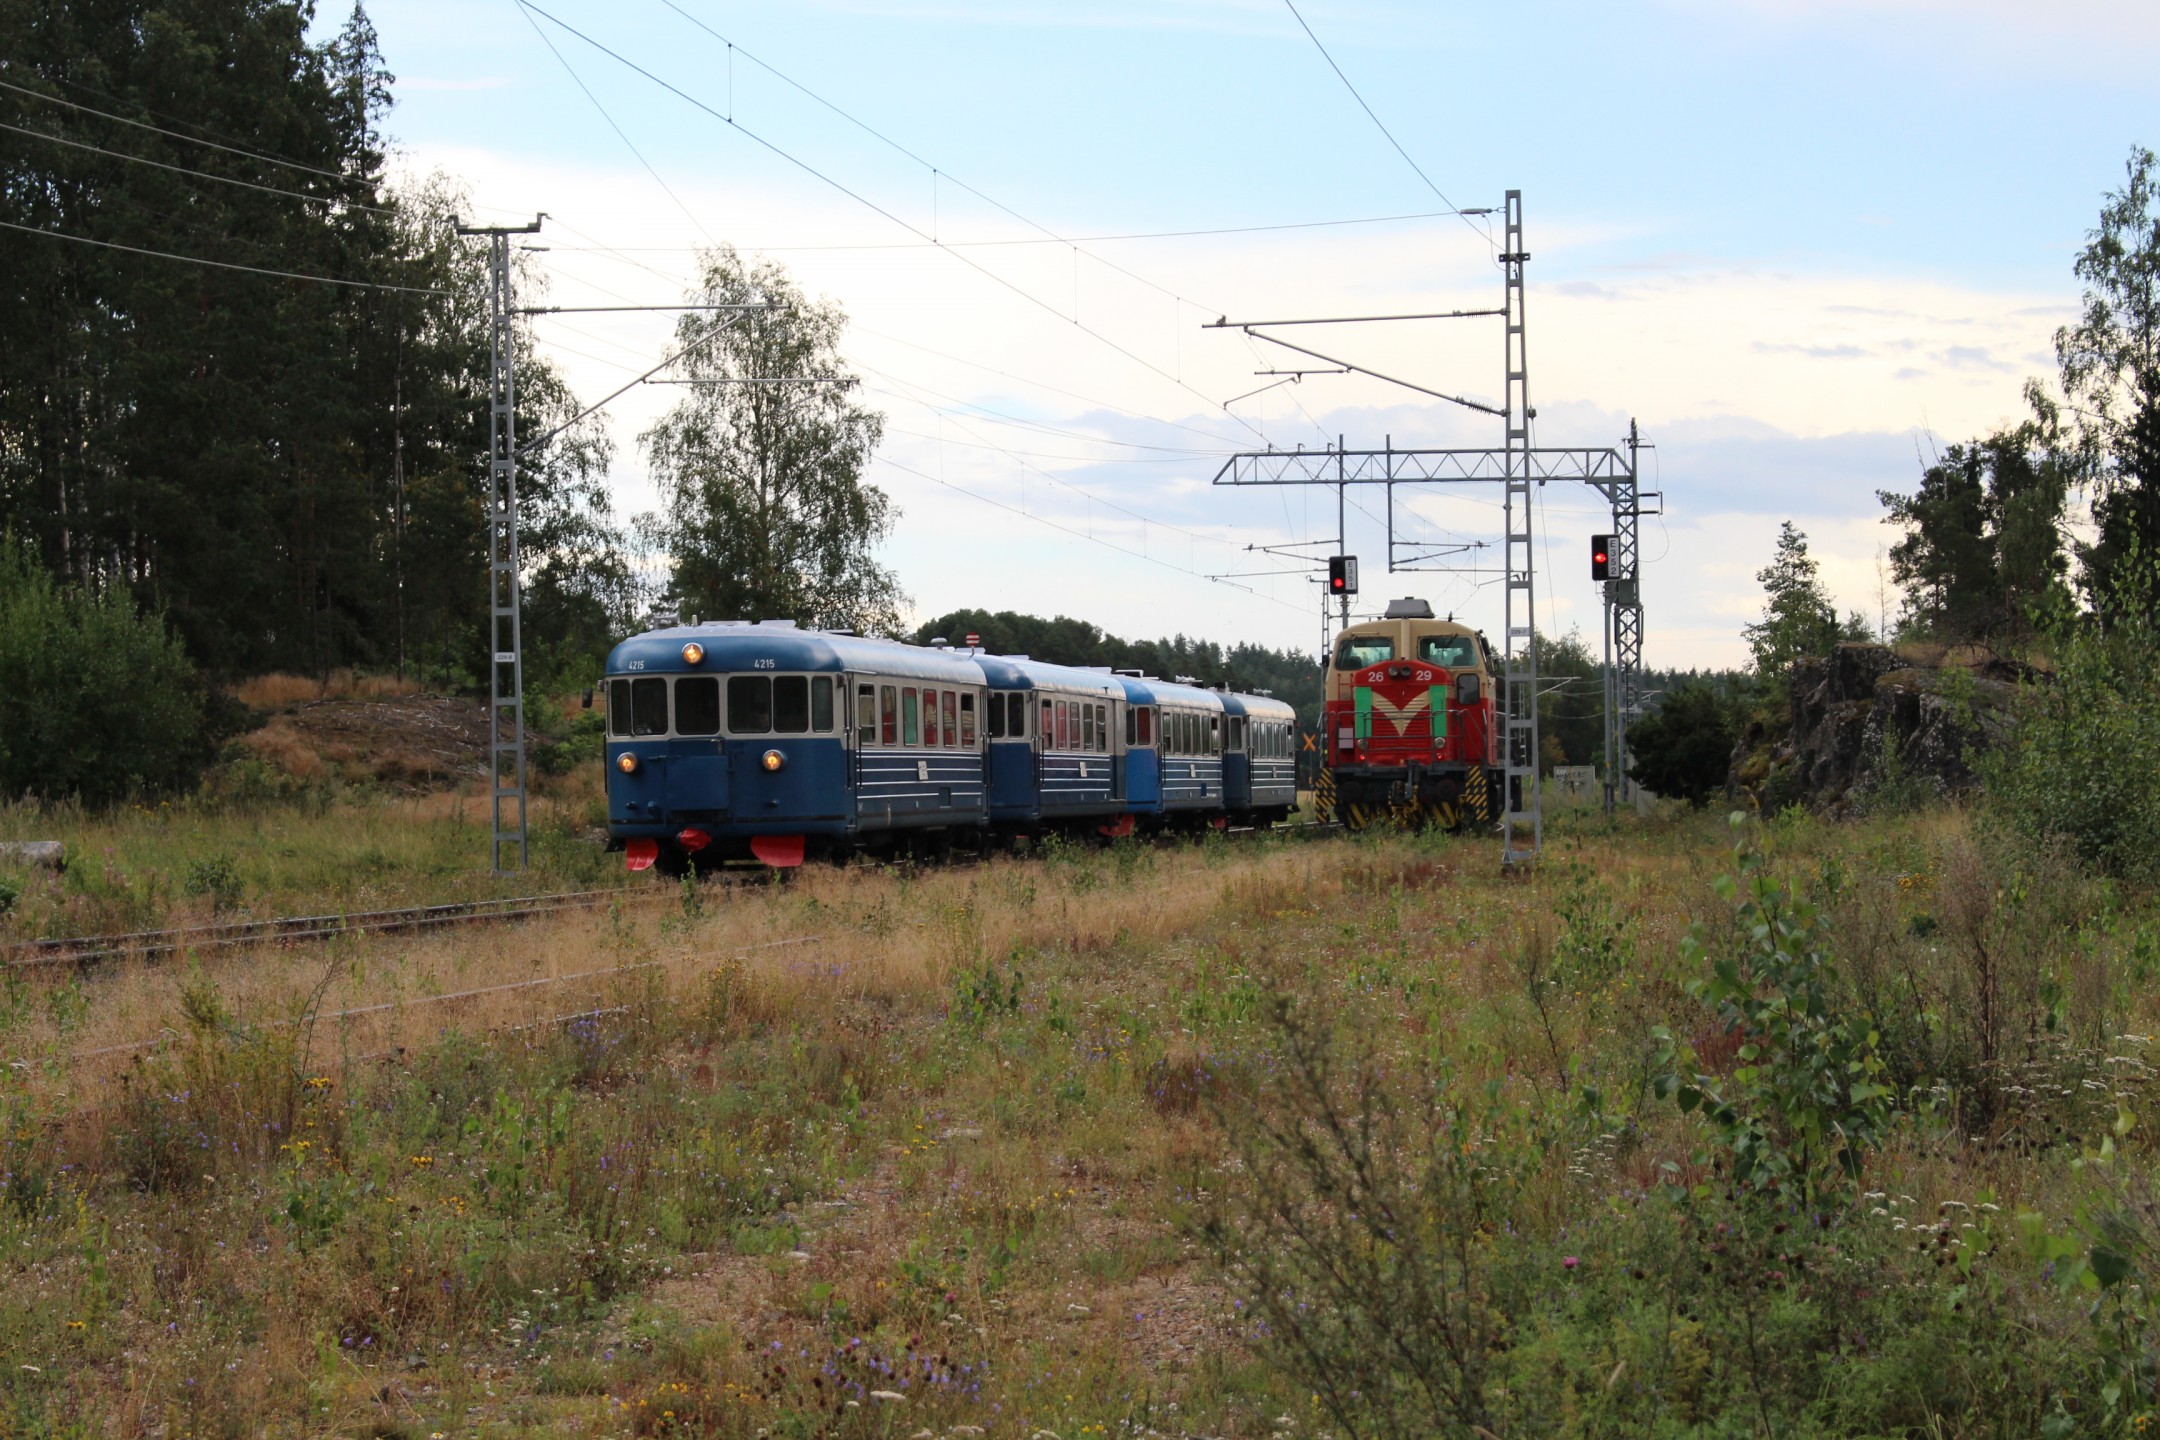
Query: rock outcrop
{"x": 1871, "y": 715}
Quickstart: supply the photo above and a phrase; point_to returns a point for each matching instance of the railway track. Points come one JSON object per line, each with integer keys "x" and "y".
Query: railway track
{"x": 86, "y": 950}
{"x": 150, "y": 944}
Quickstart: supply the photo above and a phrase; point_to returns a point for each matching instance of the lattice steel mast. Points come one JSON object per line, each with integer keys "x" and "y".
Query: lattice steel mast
{"x": 1523, "y": 809}
{"x": 506, "y": 664}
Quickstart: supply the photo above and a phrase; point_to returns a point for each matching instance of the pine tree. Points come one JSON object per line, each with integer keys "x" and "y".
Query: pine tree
{"x": 1798, "y": 619}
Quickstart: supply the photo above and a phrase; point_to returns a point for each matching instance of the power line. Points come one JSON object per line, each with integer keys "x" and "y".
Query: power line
{"x": 224, "y": 264}
{"x": 868, "y": 203}
{"x": 1078, "y": 239}
{"x": 170, "y": 134}
{"x": 579, "y": 81}
{"x": 1186, "y": 452}
{"x": 1083, "y": 535}
{"x": 197, "y": 174}
{"x": 1452, "y": 206}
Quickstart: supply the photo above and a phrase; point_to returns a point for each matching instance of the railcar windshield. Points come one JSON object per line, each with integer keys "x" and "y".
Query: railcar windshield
{"x": 637, "y": 707}
{"x": 1456, "y": 652}
{"x": 697, "y": 705}
{"x": 1358, "y": 651}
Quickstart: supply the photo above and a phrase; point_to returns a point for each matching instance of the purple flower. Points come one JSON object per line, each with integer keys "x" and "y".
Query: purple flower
{"x": 1569, "y": 1261}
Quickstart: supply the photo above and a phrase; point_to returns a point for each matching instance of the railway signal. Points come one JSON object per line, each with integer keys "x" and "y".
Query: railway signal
{"x": 1342, "y": 575}
{"x": 1601, "y": 557}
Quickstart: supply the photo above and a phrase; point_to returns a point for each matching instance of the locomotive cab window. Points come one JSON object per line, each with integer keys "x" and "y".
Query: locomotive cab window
{"x": 1358, "y": 651}
{"x": 749, "y": 705}
{"x": 821, "y": 704}
{"x": 1456, "y": 652}
{"x": 697, "y": 705}
{"x": 618, "y": 707}
{"x": 791, "y": 705}
{"x": 648, "y": 707}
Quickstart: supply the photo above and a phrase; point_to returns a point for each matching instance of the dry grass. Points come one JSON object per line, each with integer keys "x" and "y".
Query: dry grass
{"x": 959, "y": 1117}
{"x": 282, "y": 692}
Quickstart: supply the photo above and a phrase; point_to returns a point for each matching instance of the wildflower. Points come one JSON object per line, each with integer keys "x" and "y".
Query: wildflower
{"x": 1569, "y": 1261}
{"x": 421, "y": 1162}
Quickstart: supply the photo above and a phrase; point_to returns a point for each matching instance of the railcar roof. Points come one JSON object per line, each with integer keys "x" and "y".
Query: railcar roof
{"x": 1042, "y": 675}
{"x": 734, "y": 645}
{"x": 1169, "y": 692}
{"x": 1258, "y": 707}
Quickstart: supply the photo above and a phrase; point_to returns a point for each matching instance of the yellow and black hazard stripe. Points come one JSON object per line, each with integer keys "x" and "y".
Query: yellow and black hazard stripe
{"x": 1477, "y": 797}
{"x": 1324, "y": 796}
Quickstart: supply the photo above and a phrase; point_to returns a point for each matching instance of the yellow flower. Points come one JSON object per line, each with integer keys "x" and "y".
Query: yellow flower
{"x": 423, "y": 1161}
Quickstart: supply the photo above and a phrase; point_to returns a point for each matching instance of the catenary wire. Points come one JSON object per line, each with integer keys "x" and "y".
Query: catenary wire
{"x": 197, "y": 174}
{"x": 620, "y": 134}
{"x": 1370, "y": 115}
{"x": 224, "y": 264}
{"x": 868, "y": 203}
{"x": 170, "y": 134}
{"x": 1076, "y": 239}
{"x": 1083, "y": 535}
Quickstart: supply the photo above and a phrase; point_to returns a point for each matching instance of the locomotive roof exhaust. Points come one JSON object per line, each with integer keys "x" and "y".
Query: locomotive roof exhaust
{"x": 1408, "y": 608}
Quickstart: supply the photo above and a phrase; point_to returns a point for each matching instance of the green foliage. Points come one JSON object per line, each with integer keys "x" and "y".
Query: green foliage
{"x": 1684, "y": 747}
{"x": 1571, "y": 700}
{"x": 582, "y": 745}
{"x": 767, "y": 513}
{"x": 1798, "y": 619}
{"x": 294, "y": 472}
{"x": 2110, "y": 366}
{"x": 1982, "y": 555}
{"x": 96, "y": 699}
{"x": 2082, "y": 766}
{"x": 1805, "y": 1103}
{"x": 217, "y": 877}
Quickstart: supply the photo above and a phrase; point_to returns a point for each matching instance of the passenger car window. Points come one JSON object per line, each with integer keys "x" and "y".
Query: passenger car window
{"x": 1087, "y": 727}
{"x": 821, "y": 717}
{"x": 950, "y": 704}
{"x": 1047, "y": 730}
{"x": 791, "y": 704}
{"x": 888, "y": 708}
{"x": 648, "y": 707}
{"x": 910, "y": 717}
{"x": 618, "y": 707}
{"x": 1358, "y": 651}
{"x": 866, "y": 715}
{"x": 697, "y": 705}
{"x": 929, "y": 719}
{"x": 1456, "y": 652}
{"x": 967, "y": 720}
{"x": 996, "y": 717}
{"x": 1147, "y": 724}
{"x": 749, "y": 705}
{"x": 1018, "y": 728}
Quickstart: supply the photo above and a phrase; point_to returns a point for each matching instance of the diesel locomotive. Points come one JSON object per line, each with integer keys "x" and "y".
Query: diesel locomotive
{"x": 1409, "y": 734}
{"x": 762, "y": 741}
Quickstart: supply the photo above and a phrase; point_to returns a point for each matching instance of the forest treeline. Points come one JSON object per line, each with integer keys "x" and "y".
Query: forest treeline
{"x": 290, "y": 469}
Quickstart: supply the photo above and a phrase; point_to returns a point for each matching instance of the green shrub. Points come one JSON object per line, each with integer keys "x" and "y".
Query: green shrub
{"x": 2082, "y": 766}
{"x": 1806, "y": 1102}
{"x": 97, "y": 699}
{"x": 1684, "y": 747}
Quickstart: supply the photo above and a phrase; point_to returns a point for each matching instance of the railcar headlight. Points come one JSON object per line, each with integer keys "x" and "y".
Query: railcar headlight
{"x": 627, "y": 763}
{"x": 693, "y": 653}
{"x": 774, "y": 760}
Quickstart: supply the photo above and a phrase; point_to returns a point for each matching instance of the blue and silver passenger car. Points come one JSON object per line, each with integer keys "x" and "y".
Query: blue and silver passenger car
{"x": 1259, "y": 758}
{"x": 731, "y": 740}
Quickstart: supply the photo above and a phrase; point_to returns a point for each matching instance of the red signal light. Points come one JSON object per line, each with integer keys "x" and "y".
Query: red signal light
{"x": 1601, "y": 557}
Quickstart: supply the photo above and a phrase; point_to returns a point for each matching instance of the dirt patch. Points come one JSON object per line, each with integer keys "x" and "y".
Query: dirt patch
{"x": 413, "y": 743}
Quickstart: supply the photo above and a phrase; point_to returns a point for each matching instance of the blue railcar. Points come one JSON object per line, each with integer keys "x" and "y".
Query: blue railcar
{"x": 729, "y": 740}
{"x": 1187, "y": 726}
{"x": 1056, "y": 761}
{"x": 1259, "y": 758}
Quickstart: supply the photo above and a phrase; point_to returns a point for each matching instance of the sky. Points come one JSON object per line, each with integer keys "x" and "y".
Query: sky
{"x": 1801, "y": 244}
